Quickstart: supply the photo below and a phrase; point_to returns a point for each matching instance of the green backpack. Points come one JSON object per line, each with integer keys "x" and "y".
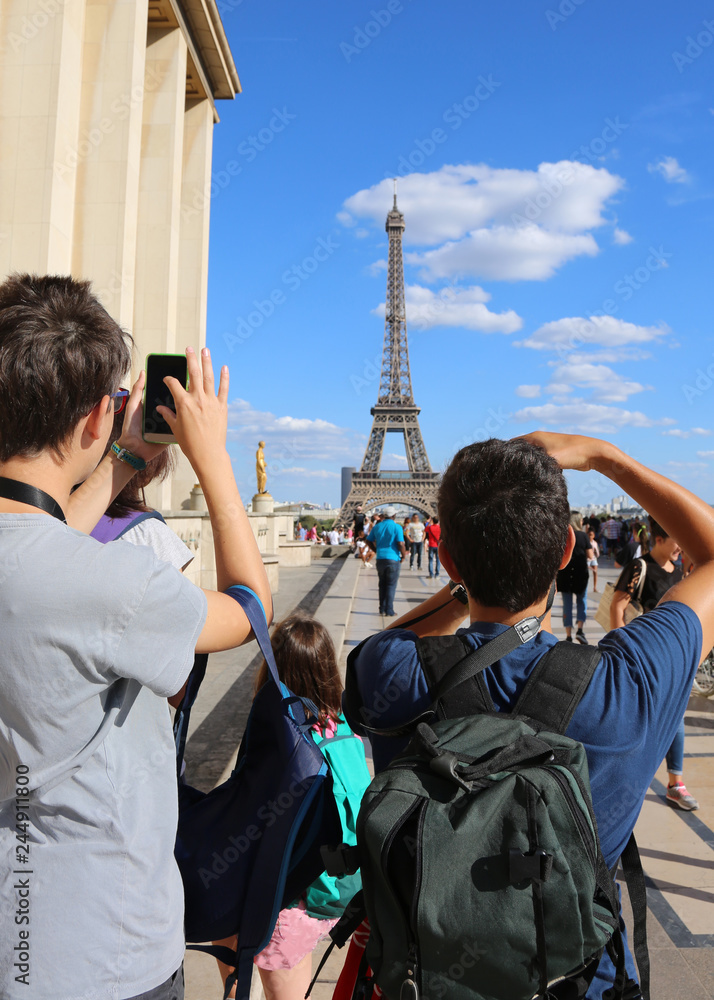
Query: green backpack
{"x": 481, "y": 866}
{"x": 328, "y": 896}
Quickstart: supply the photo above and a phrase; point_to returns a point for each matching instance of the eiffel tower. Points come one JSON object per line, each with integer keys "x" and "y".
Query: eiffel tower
{"x": 396, "y": 410}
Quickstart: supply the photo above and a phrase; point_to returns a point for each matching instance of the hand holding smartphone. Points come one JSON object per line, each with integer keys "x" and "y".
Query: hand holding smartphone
{"x": 156, "y": 393}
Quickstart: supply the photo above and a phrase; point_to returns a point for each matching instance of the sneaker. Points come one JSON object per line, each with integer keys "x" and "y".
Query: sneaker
{"x": 568, "y": 638}
{"x": 580, "y": 636}
{"x": 680, "y": 797}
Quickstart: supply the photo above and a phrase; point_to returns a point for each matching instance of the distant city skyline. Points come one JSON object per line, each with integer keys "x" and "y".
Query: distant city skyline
{"x": 556, "y": 184}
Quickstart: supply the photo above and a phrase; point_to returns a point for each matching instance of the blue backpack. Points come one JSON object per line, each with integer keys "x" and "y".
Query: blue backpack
{"x": 251, "y": 846}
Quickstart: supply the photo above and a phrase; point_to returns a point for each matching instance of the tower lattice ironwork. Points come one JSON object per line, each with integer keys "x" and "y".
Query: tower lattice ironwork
{"x": 395, "y": 410}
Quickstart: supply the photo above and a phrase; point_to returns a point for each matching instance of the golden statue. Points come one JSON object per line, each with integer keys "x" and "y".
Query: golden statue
{"x": 260, "y": 468}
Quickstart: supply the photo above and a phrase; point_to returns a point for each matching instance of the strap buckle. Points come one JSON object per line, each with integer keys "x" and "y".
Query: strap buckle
{"x": 339, "y": 860}
{"x": 534, "y": 866}
{"x": 445, "y": 766}
{"x": 527, "y": 628}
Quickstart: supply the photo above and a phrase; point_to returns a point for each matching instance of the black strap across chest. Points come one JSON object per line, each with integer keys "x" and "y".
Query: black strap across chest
{"x": 551, "y": 693}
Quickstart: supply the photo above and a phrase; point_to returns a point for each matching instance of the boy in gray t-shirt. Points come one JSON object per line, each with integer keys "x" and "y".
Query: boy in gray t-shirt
{"x": 95, "y": 638}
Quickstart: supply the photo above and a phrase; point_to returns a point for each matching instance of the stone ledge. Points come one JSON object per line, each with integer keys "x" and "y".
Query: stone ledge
{"x": 328, "y": 551}
{"x": 294, "y": 553}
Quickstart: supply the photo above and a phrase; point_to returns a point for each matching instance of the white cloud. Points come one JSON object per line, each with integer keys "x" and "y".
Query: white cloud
{"x": 676, "y": 432}
{"x": 558, "y": 390}
{"x": 705, "y": 454}
{"x": 505, "y": 253}
{"x": 377, "y": 267}
{"x": 528, "y": 391}
{"x": 669, "y": 168}
{"x": 401, "y": 459}
{"x": 451, "y": 202}
{"x": 460, "y": 307}
{"x": 605, "y": 384}
{"x": 290, "y": 439}
{"x": 621, "y": 236}
{"x": 503, "y": 224}
{"x": 587, "y": 418}
{"x": 361, "y": 233}
{"x": 602, "y": 331}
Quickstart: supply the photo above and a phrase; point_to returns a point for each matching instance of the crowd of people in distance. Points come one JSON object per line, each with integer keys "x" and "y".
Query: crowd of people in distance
{"x": 320, "y": 535}
{"x": 415, "y": 534}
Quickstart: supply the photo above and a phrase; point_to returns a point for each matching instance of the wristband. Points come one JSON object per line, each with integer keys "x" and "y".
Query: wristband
{"x": 128, "y": 456}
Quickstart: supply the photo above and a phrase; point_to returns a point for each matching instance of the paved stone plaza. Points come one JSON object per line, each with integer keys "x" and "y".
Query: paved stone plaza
{"x": 677, "y": 848}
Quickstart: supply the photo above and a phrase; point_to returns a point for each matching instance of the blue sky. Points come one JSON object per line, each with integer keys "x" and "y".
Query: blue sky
{"x": 555, "y": 165}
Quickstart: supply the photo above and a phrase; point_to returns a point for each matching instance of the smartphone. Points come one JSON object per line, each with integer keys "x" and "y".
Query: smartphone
{"x": 156, "y": 393}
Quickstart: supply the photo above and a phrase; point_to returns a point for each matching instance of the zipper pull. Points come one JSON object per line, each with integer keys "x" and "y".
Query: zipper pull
{"x": 410, "y": 990}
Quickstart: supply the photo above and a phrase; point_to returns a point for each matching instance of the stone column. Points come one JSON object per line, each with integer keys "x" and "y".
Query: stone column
{"x": 195, "y": 217}
{"x": 192, "y": 294}
{"x": 158, "y": 228}
{"x": 40, "y": 85}
{"x": 107, "y": 198}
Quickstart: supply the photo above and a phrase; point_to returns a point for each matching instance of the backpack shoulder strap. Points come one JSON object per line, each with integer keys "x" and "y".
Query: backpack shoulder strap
{"x": 147, "y": 515}
{"x": 556, "y": 685}
{"x": 438, "y": 654}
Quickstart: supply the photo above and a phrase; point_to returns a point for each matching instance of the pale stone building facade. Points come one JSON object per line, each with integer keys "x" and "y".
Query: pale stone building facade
{"x": 107, "y": 110}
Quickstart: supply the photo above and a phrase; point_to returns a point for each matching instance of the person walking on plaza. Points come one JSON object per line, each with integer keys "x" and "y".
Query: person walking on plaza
{"x": 407, "y": 540}
{"x": 660, "y": 574}
{"x": 358, "y": 520}
{"x": 592, "y": 563}
{"x": 416, "y": 540}
{"x": 573, "y": 580}
{"x": 433, "y": 536}
{"x": 610, "y": 536}
{"x": 387, "y": 539}
{"x": 109, "y": 632}
{"x": 632, "y": 547}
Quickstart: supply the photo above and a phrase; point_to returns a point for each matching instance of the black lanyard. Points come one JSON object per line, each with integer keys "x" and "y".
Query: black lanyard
{"x": 12, "y": 489}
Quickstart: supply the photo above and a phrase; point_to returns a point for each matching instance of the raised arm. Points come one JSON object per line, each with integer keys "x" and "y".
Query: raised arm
{"x": 684, "y": 516}
{"x": 200, "y": 426}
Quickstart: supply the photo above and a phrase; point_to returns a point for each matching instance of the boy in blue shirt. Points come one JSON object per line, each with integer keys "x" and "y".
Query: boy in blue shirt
{"x": 630, "y": 711}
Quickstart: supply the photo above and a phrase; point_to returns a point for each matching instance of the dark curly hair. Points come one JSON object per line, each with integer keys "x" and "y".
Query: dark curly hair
{"x": 504, "y": 520}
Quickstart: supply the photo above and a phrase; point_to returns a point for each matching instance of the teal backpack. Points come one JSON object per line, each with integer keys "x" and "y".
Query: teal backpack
{"x": 482, "y": 873}
{"x": 328, "y": 896}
